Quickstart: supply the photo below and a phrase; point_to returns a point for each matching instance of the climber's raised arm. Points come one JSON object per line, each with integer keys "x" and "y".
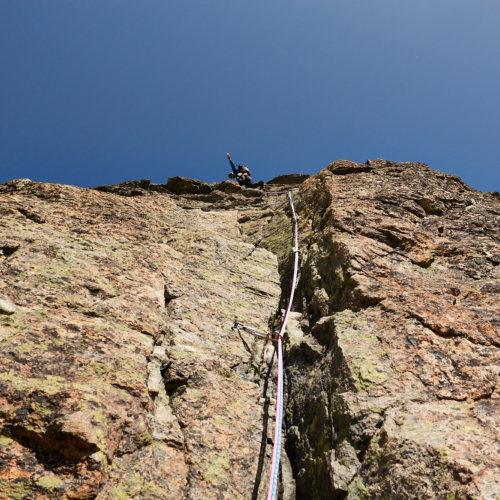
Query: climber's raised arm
{"x": 235, "y": 171}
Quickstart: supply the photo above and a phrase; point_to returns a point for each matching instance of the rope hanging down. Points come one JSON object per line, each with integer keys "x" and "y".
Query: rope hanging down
{"x": 273, "y": 481}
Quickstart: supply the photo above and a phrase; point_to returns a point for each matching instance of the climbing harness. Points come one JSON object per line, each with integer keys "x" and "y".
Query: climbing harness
{"x": 273, "y": 481}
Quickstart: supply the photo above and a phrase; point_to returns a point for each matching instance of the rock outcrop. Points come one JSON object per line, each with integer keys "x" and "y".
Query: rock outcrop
{"x": 122, "y": 378}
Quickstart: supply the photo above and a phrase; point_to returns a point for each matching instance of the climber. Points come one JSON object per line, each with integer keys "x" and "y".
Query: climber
{"x": 243, "y": 176}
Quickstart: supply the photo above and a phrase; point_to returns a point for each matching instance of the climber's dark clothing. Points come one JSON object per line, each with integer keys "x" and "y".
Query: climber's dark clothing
{"x": 240, "y": 173}
{"x": 243, "y": 176}
{"x": 235, "y": 171}
{"x": 249, "y": 184}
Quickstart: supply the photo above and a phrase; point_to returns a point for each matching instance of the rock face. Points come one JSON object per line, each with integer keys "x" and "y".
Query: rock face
{"x": 122, "y": 378}
{"x": 393, "y": 370}
{"x": 120, "y": 375}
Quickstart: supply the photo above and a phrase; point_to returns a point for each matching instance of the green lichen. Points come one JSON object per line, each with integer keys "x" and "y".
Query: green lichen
{"x": 357, "y": 490}
{"x": 87, "y": 397}
{"x": 468, "y": 429}
{"x": 367, "y": 373}
{"x": 102, "y": 439}
{"x": 17, "y": 322}
{"x": 27, "y": 346}
{"x": 5, "y": 441}
{"x": 153, "y": 489}
{"x": 362, "y": 350}
{"x": 214, "y": 466}
{"x": 15, "y": 489}
{"x": 99, "y": 416}
{"x": 146, "y": 438}
{"x": 41, "y": 410}
{"x": 100, "y": 369}
{"x": 133, "y": 377}
{"x": 131, "y": 485}
{"x": 219, "y": 420}
{"x": 50, "y": 482}
{"x": 378, "y": 456}
{"x": 40, "y": 315}
{"x": 51, "y": 385}
{"x": 120, "y": 493}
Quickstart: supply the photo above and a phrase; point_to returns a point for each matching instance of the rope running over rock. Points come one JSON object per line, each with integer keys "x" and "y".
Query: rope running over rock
{"x": 273, "y": 481}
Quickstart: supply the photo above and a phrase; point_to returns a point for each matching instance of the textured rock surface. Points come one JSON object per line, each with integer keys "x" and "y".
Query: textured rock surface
{"x": 398, "y": 357}
{"x": 121, "y": 377}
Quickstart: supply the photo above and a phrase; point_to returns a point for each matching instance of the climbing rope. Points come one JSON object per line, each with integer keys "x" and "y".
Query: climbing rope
{"x": 279, "y": 192}
{"x": 273, "y": 481}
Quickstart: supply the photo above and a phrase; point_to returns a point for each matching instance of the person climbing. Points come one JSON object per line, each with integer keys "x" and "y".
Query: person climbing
{"x": 243, "y": 176}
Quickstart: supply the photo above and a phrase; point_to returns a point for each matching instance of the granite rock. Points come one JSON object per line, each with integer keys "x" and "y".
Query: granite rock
{"x": 121, "y": 376}
{"x": 397, "y": 286}
{"x": 6, "y": 306}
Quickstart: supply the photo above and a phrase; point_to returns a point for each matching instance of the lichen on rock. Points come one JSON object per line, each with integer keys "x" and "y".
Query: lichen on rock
{"x": 121, "y": 376}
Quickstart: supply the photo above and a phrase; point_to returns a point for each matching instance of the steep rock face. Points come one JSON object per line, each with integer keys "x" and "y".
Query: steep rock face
{"x": 393, "y": 365}
{"x": 122, "y": 378}
{"x": 120, "y": 375}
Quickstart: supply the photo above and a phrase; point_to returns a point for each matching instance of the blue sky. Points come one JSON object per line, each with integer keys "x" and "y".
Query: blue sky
{"x": 99, "y": 91}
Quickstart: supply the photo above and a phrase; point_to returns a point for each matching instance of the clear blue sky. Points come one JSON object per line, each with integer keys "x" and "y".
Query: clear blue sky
{"x": 99, "y": 91}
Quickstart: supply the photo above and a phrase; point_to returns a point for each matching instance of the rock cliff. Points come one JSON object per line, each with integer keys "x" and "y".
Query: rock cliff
{"x": 122, "y": 378}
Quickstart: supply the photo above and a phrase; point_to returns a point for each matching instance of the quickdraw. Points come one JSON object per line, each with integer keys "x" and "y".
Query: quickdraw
{"x": 248, "y": 329}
